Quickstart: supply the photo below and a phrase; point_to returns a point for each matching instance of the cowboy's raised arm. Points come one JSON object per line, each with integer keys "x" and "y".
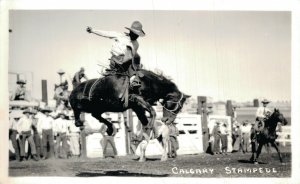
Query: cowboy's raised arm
{"x": 106, "y": 34}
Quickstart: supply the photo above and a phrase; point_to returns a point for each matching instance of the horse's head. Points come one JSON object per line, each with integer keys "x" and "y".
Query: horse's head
{"x": 172, "y": 105}
{"x": 278, "y": 116}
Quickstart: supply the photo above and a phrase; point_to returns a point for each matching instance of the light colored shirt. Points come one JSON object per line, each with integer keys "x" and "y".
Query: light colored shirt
{"x": 120, "y": 44}
{"x": 211, "y": 125}
{"x": 224, "y": 130}
{"x": 61, "y": 126}
{"x": 19, "y": 93}
{"x": 261, "y": 112}
{"x": 25, "y": 124}
{"x": 246, "y": 129}
{"x": 13, "y": 124}
{"x": 45, "y": 122}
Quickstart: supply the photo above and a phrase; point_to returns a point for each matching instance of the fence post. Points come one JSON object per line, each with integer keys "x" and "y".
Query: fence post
{"x": 202, "y": 106}
{"x": 44, "y": 92}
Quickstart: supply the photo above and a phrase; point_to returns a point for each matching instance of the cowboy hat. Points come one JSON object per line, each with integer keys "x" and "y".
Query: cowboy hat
{"x": 61, "y": 72}
{"x": 64, "y": 114}
{"x": 29, "y": 111}
{"x": 21, "y": 81}
{"x": 137, "y": 28}
{"x": 265, "y": 101}
{"x": 46, "y": 109}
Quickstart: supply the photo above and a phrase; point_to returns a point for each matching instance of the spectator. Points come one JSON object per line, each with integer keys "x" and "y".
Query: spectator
{"x": 108, "y": 134}
{"x": 24, "y": 129}
{"x": 211, "y": 125}
{"x": 238, "y": 139}
{"x": 13, "y": 133}
{"x": 246, "y": 129}
{"x": 46, "y": 125}
{"x": 36, "y": 135}
{"x": 61, "y": 132}
{"x": 78, "y": 76}
{"x": 20, "y": 92}
{"x": 217, "y": 138}
{"x": 234, "y": 130}
{"x": 173, "y": 142}
{"x": 74, "y": 137}
{"x": 224, "y": 138}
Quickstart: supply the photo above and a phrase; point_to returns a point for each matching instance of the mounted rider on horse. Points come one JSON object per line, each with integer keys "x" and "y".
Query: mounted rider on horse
{"x": 124, "y": 56}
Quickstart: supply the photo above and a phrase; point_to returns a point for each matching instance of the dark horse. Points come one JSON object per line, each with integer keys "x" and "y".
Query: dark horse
{"x": 267, "y": 135}
{"x": 106, "y": 94}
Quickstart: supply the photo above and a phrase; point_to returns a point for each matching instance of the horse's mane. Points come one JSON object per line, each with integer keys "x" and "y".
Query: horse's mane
{"x": 160, "y": 77}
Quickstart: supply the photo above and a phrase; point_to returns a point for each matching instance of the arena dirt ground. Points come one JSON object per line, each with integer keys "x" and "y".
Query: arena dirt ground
{"x": 201, "y": 165}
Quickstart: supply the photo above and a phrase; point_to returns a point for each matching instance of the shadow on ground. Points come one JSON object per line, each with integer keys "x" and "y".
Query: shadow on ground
{"x": 118, "y": 173}
{"x": 249, "y": 162}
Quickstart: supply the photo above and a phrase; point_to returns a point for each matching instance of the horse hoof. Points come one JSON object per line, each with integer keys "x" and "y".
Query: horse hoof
{"x": 255, "y": 162}
{"x": 78, "y": 124}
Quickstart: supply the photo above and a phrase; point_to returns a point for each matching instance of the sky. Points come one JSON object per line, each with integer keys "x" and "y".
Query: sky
{"x": 237, "y": 55}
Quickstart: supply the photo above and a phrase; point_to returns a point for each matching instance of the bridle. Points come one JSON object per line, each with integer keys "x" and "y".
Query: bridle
{"x": 178, "y": 105}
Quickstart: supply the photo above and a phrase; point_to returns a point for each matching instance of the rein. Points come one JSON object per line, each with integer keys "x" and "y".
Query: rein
{"x": 176, "y": 107}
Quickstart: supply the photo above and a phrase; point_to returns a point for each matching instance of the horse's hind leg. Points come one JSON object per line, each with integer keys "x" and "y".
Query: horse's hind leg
{"x": 253, "y": 147}
{"x": 277, "y": 149}
{"x": 258, "y": 152}
{"x": 78, "y": 122}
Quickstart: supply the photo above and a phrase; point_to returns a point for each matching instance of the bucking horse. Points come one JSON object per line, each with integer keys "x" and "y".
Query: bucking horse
{"x": 267, "y": 135}
{"x": 112, "y": 93}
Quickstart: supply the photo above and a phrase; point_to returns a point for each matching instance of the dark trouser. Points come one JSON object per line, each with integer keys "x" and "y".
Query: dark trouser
{"x": 37, "y": 142}
{"x": 217, "y": 143}
{"x": 61, "y": 137}
{"x": 173, "y": 146}
{"x": 224, "y": 142}
{"x": 27, "y": 136}
{"x": 13, "y": 138}
{"x": 47, "y": 136}
{"x": 106, "y": 140}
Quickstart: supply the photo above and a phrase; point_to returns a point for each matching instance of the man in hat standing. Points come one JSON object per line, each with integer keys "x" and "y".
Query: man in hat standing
{"x": 13, "y": 132}
{"x": 74, "y": 137}
{"x": 78, "y": 76}
{"x": 124, "y": 49}
{"x": 173, "y": 142}
{"x": 217, "y": 137}
{"x": 246, "y": 129}
{"x": 25, "y": 132}
{"x": 238, "y": 139}
{"x": 46, "y": 123}
{"x": 61, "y": 131}
{"x": 20, "y": 91}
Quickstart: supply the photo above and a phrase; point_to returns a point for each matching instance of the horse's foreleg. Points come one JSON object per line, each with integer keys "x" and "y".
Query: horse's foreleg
{"x": 139, "y": 104}
{"x": 165, "y": 142}
{"x": 78, "y": 122}
{"x": 277, "y": 149}
{"x": 143, "y": 146}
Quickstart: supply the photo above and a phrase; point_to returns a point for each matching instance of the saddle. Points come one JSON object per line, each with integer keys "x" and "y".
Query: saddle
{"x": 89, "y": 88}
